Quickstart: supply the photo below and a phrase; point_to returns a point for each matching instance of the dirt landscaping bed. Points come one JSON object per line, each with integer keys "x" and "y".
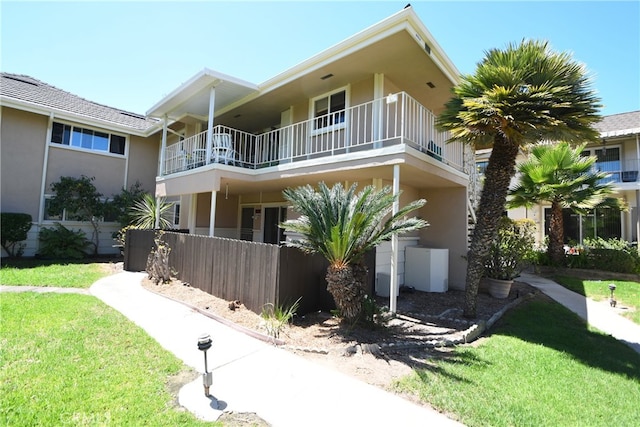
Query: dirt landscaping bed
{"x": 427, "y": 326}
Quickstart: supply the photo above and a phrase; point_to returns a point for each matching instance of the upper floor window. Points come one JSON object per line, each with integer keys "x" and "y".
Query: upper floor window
{"x": 329, "y": 110}
{"x": 89, "y": 139}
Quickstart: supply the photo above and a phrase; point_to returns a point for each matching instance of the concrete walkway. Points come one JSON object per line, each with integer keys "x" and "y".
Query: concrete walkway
{"x": 597, "y": 314}
{"x": 252, "y": 376}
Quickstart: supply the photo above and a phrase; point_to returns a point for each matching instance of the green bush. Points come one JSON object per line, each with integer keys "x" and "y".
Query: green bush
{"x": 13, "y": 230}
{"x": 616, "y": 260}
{"x": 60, "y": 242}
{"x": 511, "y": 251}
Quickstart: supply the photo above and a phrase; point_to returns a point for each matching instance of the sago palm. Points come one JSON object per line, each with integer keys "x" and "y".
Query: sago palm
{"x": 522, "y": 94}
{"x": 342, "y": 225}
{"x": 560, "y": 175}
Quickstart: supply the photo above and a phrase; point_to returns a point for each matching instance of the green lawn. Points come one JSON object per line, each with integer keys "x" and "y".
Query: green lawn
{"x": 540, "y": 367}
{"x": 65, "y": 274}
{"x": 72, "y": 360}
{"x": 627, "y": 293}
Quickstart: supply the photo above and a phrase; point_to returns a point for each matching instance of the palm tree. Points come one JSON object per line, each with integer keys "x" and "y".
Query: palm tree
{"x": 560, "y": 175}
{"x": 148, "y": 209}
{"x": 342, "y": 225}
{"x": 522, "y": 94}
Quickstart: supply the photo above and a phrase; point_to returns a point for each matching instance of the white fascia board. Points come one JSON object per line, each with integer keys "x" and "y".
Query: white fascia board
{"x": 201, "y": 80}
{"x": 74, "y": 117}
{"x": 406, "y": 20}
{"x": 621, "y": 132}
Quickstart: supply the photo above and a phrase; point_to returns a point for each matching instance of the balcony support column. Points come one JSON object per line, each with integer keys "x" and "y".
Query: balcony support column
{"x": 212, "y": 103}
{"x": 393, "y": 282}
{"x": 163, "y": 147}
{"x": 378, "y": 99}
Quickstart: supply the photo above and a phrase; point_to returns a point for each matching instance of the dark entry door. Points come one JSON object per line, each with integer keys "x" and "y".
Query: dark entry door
{"x": 272, "y": 218}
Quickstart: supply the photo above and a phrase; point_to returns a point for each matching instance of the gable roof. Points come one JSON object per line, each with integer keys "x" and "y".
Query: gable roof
{"x": 620, "y": 124}
{"x": 25, "y": 92}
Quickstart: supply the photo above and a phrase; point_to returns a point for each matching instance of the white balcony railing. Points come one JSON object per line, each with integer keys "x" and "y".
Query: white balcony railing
{"x": 395, "y": 119}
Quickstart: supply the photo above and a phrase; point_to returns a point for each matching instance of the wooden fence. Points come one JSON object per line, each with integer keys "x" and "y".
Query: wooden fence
{"x": 254, "y": 273}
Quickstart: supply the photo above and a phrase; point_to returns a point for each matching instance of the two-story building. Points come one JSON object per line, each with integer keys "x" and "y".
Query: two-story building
{"x": 47, "y": 133}
{"x": 362, "y": 111}
{"x": 618, "y": 154}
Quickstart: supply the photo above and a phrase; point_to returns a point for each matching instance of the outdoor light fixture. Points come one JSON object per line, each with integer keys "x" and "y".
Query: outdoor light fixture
{"x": 204, "y": 344}
{"x": 612, "y": 302}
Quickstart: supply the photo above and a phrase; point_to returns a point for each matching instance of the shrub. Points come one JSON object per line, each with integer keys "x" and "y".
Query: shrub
{"x": 614, "y": 255}
{"x": 13, "y": 230}
{"x": 372, "y": 314}
{"x": 60, "y": 242}
{"x": 512, "y": 249}
{"x": 616, "y": 260}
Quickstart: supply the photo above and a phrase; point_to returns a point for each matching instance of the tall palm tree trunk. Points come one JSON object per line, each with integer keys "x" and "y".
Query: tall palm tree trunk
{"x": 500, "y": 170}
{"x": 347, "y": 285}
{"x": 556, "y": 234}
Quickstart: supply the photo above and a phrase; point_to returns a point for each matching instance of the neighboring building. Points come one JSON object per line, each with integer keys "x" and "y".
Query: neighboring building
{"x": 618, "y": 154}
{"x": 362, "y": 111}
{"x": 47, "y": 133}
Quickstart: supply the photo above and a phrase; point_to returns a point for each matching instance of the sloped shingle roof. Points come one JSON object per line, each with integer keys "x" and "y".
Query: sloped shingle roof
{"x": 27, "y": 89}
{"x": 620, "y": 124}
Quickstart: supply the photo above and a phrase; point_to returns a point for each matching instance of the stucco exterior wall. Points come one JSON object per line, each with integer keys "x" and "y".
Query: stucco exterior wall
{"x": 446, "y": 212}
{"x": 108, "y": 170}
{"x": 143, "y": 161}
{"x": 23, "y": 138}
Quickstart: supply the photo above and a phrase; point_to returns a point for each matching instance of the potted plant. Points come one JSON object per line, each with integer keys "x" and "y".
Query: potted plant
{"x": 509, "y": 255}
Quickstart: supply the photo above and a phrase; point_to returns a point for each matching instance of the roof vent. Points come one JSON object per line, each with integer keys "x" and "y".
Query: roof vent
{"x": 32, "y": 83}
{"x": 427, "y": 48}
{"x": 431, "y": 85}
{"x": 134, "y": 115}
{"x": 325, "y": 77}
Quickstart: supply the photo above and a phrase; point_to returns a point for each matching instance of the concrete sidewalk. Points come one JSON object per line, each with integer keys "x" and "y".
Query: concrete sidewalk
{"x": 597, "y": 314}
{"x": 252, "y": 376}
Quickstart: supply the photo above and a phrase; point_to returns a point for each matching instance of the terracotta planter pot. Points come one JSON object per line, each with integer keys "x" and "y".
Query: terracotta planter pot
{"x": 499, "y": 288}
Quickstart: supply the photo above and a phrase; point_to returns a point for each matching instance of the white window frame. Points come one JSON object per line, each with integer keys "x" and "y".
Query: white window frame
{"x": 70, "y": 146}
{"x": 334, "y": 126}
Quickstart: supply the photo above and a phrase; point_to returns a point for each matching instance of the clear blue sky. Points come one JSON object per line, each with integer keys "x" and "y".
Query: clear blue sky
{"x": 130, "y": 54}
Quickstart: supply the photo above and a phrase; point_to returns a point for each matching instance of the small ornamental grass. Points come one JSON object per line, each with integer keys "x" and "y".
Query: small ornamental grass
{"x": 541, "y": 366}
{"x": 72, "y": 360}
{"x": 276, "y": 316}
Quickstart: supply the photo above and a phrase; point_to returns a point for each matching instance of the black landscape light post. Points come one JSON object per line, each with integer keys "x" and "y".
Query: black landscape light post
{"x": 612, "y": 302}
{"x": 204, "y": 344}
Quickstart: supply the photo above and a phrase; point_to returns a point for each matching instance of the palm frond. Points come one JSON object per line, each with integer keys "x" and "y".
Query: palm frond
{"x": 341, "y": 224}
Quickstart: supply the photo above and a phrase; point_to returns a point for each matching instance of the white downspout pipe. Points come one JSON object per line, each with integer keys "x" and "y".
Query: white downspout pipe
{"x": 393, "y": 282}
{"x": 45, "y": 163}
{"x": 212, "y": 102}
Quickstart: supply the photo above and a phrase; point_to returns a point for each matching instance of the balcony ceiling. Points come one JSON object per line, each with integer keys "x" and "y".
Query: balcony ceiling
{"x": 399, "y": 57}
{"x": 394, "y": 47}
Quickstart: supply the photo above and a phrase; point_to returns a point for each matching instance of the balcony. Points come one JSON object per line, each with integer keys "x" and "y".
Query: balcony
{"x": 393, "y": 120}
{"x": 620, "y": 171}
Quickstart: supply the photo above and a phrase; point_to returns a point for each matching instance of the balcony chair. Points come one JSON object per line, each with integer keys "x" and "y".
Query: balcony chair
{"x": 222, "y": 149}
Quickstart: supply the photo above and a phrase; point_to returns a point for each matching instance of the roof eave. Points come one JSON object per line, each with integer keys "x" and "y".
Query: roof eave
{"x": 44, "y": 110}
{"x": 406, "y": 19}
{"x": 203, "y": 79}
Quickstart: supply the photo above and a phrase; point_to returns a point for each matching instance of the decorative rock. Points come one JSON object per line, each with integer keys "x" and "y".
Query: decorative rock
{"x": 350, "y": 351}
{"x": 373, "y": 349}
